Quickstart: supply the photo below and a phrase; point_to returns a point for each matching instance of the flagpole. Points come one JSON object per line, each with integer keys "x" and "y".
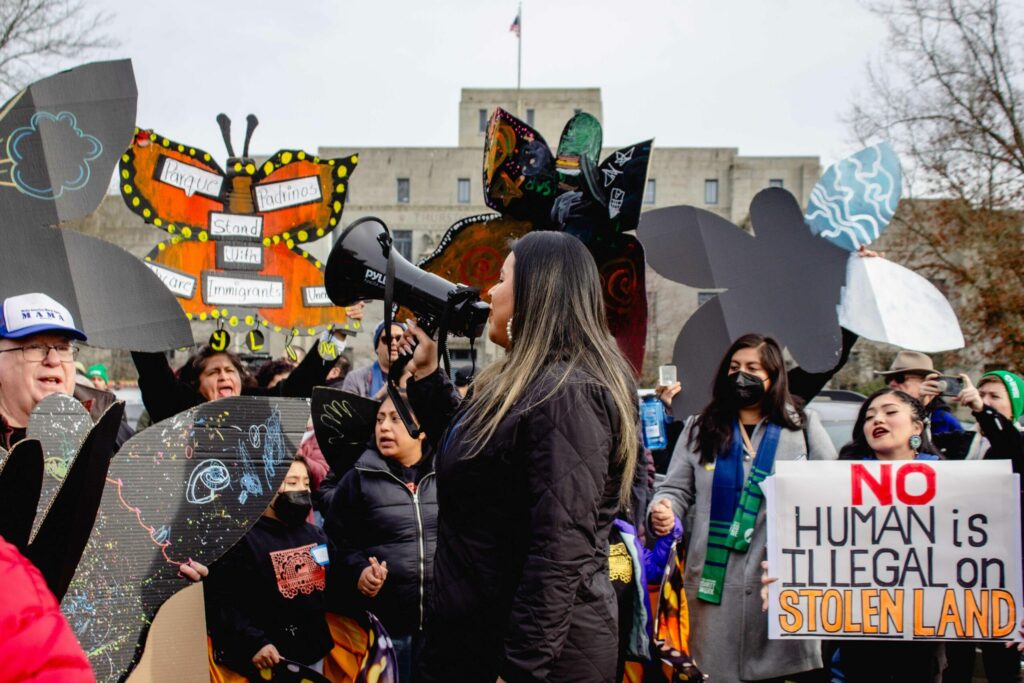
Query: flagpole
{"x": 519, "y": 44}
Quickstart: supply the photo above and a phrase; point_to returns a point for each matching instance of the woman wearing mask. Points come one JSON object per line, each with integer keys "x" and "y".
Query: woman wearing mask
{"x": 383, "y": 522}
{"x": 265, "y": 599}
{"x": 721, "y": 458}
{"x": 531, "y": 470}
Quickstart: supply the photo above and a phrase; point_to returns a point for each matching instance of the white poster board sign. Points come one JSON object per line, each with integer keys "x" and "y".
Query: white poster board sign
{"x": 914, "y": 550}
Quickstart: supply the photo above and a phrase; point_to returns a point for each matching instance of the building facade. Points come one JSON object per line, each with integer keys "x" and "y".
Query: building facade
{"x": 420, "y": 191}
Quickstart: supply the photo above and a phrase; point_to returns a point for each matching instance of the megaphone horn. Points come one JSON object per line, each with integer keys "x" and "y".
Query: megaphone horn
{"x": 356, "y": 271}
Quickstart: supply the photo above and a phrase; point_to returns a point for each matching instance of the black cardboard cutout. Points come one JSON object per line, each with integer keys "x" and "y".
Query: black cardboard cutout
{"x": 21, "y": 474}
{"x": 60, "y": 424}
{"x": 116, "y": 300}
{"x": 343, "y": 423}
{"x": 68, "y": 520}
{"x": 783, "y": 282}
{"x": 62, "y": 137}
{"x": 187, "y": 487}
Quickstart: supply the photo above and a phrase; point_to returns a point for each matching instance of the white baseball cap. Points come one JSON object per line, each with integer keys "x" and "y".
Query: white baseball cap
{"x": 28, "y": 314}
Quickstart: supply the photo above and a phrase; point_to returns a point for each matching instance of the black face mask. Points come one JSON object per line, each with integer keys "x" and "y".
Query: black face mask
{"x": 746, "y": 389}
{"x": 292, "y": 507}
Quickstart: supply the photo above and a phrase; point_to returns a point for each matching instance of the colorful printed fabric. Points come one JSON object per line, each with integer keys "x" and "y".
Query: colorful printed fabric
{"x": 672, "y": 622}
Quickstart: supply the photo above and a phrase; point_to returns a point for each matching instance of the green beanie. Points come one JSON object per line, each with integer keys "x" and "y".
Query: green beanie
{"x": 1014, "y": 389}
{"x": 98, "y": 370}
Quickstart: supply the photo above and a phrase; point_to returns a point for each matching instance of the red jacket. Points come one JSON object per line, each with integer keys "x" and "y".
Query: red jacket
{"x": 36, "y": 643}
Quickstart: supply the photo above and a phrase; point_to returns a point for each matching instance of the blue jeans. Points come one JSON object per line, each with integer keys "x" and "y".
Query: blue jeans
{"x": 406, "y": 650}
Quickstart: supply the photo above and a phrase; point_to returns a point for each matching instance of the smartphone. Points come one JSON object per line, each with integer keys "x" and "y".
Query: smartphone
{"x": 667, "y": 375}
{"x": 950, "y": 386}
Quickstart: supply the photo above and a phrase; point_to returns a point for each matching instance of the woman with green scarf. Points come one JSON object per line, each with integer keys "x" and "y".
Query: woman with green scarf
{"x": 713, "y": 485}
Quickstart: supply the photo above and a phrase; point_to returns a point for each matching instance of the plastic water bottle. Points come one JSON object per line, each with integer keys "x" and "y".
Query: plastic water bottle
{"x": 652, "y": 418}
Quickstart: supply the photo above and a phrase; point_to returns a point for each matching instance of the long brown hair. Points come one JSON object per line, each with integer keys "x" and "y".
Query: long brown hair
{"x": 559, "y": 318}
{"x": 714, "y": 426}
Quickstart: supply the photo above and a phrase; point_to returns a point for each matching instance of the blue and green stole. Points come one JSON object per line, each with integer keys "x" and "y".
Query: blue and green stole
{"x": 734, "y": 507}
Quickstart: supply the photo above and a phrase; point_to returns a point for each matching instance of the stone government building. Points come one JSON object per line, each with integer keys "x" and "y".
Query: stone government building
{"x": 420, "y": 191}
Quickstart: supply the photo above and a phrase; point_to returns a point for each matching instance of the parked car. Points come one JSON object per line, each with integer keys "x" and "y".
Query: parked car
{"x": 838, "y": 410}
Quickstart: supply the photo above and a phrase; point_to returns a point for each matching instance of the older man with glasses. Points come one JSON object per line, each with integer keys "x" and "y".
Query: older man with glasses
{"x": 37, "y": 358}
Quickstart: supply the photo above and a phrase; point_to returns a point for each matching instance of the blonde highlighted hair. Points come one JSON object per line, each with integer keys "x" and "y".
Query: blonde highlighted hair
{"x": 559, "y": 317}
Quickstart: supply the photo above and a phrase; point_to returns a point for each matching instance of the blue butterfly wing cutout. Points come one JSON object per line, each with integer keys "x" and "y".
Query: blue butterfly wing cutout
{"x": 856, "y": 197}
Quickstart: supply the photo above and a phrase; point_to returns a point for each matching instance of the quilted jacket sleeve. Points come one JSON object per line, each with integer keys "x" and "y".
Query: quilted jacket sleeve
{"x": 568, "y": 441}
{"x": 434, "y": 401}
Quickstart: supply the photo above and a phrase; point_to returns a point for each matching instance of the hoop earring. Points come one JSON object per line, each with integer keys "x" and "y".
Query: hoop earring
{"x": 915, "y": 442}
{"x": 508, "y": 329}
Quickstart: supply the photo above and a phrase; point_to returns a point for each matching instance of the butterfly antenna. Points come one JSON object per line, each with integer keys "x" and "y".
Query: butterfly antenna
{"x": 250, "y": 125}
{"x": 225, "y": 129}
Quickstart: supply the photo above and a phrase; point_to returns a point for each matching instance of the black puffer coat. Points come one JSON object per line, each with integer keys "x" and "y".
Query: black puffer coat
{"x": 521, "y": 586}
{"x": 373, "y": 513}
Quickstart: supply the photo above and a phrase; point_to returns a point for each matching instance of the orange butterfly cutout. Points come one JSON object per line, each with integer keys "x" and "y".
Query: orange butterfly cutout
{"x": 236, "y": 248}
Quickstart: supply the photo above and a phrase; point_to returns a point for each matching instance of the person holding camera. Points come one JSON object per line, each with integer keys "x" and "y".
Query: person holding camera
{"x": 532, "y": 467}
{"x": 913, "y": 373}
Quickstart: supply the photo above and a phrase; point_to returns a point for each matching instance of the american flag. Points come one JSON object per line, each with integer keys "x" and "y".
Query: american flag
{"x": 516, "y": 26}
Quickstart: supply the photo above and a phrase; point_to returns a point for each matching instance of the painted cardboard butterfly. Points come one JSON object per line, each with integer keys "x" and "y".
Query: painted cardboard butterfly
{"x": 536, "y": 189}
{"x": 235, "y": 251}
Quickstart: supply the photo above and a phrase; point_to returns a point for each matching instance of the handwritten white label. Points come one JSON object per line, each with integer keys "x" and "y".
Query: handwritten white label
{"x": 220, "y": 290}
{"x": 190, "y": 178}
{"x": 180, "y": 284}
{"x": 235, "y": 226}
{"x": 315, "y": 296}
{"x": 246, "y": 255}
{"x": 274, "y": 196}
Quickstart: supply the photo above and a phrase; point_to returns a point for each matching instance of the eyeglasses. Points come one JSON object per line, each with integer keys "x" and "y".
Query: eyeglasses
{"x": 898, "y": 378}
{"x": 37, "y": 353}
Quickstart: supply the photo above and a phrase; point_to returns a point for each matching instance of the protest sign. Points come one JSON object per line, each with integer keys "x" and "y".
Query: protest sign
{"x": 914, "y": 550}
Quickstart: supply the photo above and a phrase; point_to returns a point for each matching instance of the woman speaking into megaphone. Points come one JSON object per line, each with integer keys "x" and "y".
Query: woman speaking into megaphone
{"x": 532, "y": 466}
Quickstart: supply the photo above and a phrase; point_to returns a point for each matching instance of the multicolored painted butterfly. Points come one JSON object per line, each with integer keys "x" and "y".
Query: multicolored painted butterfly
{"x": 236, "y": 248}
{"x": 533, "y": 189}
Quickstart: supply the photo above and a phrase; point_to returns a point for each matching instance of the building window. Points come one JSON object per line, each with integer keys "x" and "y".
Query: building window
{"x": 529, "y": 117}
{"x": 403, "y": 190}
{"x": 711, "y": 191}
{"x": 704, "y": 297}
{"x": 402, "y": 240}
{"x": 483, "y": 120}
{"x": 776, "y": 182}
{"x": 463, "y": 190}
{"x": 649, "y": 192}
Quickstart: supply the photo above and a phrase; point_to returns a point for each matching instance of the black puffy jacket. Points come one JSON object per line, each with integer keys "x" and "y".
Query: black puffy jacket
{"x": 373, "y": 513}
{"x": 521, "y": 585}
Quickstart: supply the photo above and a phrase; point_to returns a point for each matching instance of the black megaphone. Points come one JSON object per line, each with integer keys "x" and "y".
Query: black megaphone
{"x": 357, "y": 267}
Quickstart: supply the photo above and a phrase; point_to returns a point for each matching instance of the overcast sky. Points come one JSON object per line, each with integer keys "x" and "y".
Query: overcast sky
{"x": 771, "y": 78}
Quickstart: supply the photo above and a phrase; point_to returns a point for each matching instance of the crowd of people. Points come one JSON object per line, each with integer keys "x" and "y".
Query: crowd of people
{"x": 517, "y": 535}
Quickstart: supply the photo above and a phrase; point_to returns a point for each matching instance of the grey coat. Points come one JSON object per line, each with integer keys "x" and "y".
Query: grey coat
{"x": 730, "y": 641}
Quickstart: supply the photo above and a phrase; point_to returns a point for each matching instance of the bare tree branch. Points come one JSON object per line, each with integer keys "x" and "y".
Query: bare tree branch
{"x": 37, "y": 36}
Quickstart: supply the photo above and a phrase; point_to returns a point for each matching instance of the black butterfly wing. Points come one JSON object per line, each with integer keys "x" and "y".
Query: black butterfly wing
{"x": 118, "y": 302}
{"x": 622, "y": 180}
{"x": 68, "y": 519}
{"x": 520, "y": 180}
{"x": 21, "y": 476}
{"x": 60, "y": 424}
{"x": 579, "y": 151}
{"x": 188, "y": 487}
{"x": 695, "y": 247}
{"x": 794, "y": 293}
{"x": 344, "y": 424}
{"x": 62, "y": 137}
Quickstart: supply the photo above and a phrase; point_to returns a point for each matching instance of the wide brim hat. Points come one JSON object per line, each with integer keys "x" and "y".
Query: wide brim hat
{"x": 909, "y": 363}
